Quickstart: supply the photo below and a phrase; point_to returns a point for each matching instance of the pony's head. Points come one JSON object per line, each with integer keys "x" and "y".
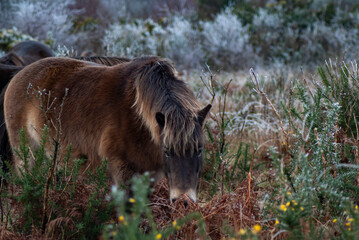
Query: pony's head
{"x": 175, "y": 118}
{"x": 182, "y": 153}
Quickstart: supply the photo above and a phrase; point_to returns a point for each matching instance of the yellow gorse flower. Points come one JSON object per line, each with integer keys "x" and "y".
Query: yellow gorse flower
{"x": 174, "y": 224}
{"x": 256, "y": 229}
{"x": 334, "y": 220}
{"x": 283, "y": 207}
{"x": 301, "y": 208}
{"x": 159, "y": 236}
{"x": 132, "y": 200}
{"x": 242, "y": 231}
{"x": 121, "y": 218}
{"x": 287, "y": 204}
{"x": 276, "y": 222}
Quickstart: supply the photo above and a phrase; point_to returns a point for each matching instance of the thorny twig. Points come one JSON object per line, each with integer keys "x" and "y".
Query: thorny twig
{"x": 259, "y": 90}
{"x": 222, "y": 126}
{"x": 289, "y": 107}
{"x": 57, "y": 127}
{"x": 210, "y": 84}
{"x": 323, "y": 157}
{"x": 250, "y": 179}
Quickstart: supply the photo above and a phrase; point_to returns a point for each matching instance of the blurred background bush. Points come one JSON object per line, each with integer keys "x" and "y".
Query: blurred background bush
{"x": 225, "y": 34}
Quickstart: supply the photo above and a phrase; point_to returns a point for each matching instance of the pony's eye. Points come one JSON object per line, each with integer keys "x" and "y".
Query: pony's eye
{"x": 166, "y": 152}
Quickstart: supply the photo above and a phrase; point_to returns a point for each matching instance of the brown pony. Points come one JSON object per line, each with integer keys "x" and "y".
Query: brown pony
{"x": 137, "y": 114}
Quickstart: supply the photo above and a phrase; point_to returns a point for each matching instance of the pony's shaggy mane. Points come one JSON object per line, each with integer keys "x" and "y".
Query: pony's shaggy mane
{"x": 158, "y": 89}
{"x": 107, "y": 61}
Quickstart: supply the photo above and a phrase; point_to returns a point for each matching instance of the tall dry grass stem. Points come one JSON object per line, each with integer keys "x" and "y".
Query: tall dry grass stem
{"x": 259, "y": 89}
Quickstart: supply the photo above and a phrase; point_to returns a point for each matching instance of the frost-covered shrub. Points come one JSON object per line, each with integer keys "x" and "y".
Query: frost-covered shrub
{"x": 10, "y": 37}
{"x": 157, "y": 9}
{"x": 45, "y": 19}
{"x": 63, "y": 51}
{"x": 133, "y": 39}
{"x": 182, "y": 43}
{"x": 226, "y": 41}
{"x": 184, "y": 8}
{"x": 266, "y": 19}
{"x": 321, "y": 41}
{"x": 4, "y": 13}
{"x": 267, "y": 30}
{"x": 317, "y": 4}
{"x": 105, "y": 15}
{"x": 294, "y": 34}
{"x": 107, "y": 11}
{"x": 177, "y": 40}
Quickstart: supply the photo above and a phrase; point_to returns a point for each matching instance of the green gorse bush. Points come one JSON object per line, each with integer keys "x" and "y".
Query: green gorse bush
{"x": 317, "y": 183}
{"x": 75, "y": 207}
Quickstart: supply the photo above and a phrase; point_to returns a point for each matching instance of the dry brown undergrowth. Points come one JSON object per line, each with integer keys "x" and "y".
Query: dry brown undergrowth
{"x": 238, "y": 209}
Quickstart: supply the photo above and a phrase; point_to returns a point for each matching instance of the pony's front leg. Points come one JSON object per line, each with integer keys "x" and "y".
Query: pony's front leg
{"x": 120, "y": 172}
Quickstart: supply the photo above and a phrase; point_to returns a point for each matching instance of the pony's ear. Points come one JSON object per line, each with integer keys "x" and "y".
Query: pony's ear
{"x": 160, "y": 118}
{"x": 15, "y": 59}
{"x": 203, "y": 113}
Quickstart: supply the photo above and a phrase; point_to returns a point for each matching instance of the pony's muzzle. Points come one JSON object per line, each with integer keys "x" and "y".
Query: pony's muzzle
{"x": 189, "y": 194}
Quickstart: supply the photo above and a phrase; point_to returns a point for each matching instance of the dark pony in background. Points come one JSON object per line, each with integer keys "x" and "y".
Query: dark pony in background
{"x": 17, "y": 57}
{"x": 20, "y": 55}
{"x": 137, "y": 114}
{"x": 26, "y": 52}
